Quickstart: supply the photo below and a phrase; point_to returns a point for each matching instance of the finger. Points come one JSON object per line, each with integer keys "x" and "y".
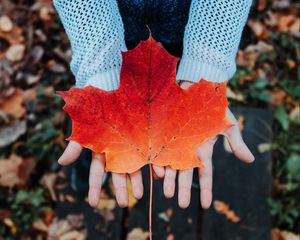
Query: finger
{"x": 119, "y": 182}
{"x": 137, "y": 184}
{"x": 205, "y": 152}
{"x": 95, "y": 178}
{"x": 169, "y": 182}
{"x": 185, "y": 178}
{"x": 236, "y": 142}
{"x": 70, "y": 154}
{"x": 237, "y": 145}
{"x": 159, "y": 171}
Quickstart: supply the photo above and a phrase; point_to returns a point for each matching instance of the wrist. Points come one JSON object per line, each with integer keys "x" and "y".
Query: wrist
{"x": 108, "y": 80}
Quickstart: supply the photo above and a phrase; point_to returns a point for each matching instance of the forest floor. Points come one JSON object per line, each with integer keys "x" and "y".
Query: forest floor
{"x": 34, "y": 63}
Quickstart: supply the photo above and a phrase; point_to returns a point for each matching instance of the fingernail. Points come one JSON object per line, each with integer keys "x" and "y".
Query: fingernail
{"x": 169, "y": 191}
{"x": 122, "y": 199}
{"x": 93, "y": 197}
{"x": 59, "y": 161}
{"x": 184, "y": 199}
{"x": 206, "y": 198}
{"x": 251, "y": 158}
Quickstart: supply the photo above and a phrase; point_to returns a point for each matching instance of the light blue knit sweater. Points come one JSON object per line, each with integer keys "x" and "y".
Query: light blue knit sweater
{"x": 96, "y": 33}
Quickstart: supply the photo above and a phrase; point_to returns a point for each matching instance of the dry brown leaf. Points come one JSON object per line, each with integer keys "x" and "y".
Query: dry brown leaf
{"x": 272, "y": 19}
{"x": 262, "y": 4}
{"x": 223, "y": 208}
{"x": 45, "y": 13}
{"x": 258, "y": 28}
{"x": 294, "y": 28}
{"x": 279, "y": 97}
{"x": 137, "y": 234}
{"x": 15, "y": 36}
{"x": 232, "y": 95}
{"x": 15, "y": 52}
{"x": 70, "y": 198}
{"x": 260, "y": 47}
{"x": 6, "y": 24}
{"x": 10, "y": 133}
{"x": 246, "y": 59}
{"x": 281, "y": 4}
{"x": 295, "y": 114}
{"x": 30, "y": 94}
{"x": 288, "y": 23}
{"x": 241, "y": 121}
{"x": 109, "y": 204}
{"x": 9, "y": 171}
{"x": 73, "y": 235}
{"x": 55, "y": 67}
{"x": 13, "y": 104}
{"x": 170, "y": 237}
{"x": 12, "y": 226}
{"x": 15, "y": 170}
{"x": 58, "y": 227}
{"x": 40, "y": 225}
{"x": 291, "y": 63}
{"x": 106, "y": 202}
{"x": 163, "y": 216}
{"x": 264, "y": 147}
{"x": 26, "y": 169}
{"x": 278, "y": 234}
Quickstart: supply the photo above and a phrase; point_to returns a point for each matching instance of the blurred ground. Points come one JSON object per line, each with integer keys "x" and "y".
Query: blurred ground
{"x": 34, "y": 62}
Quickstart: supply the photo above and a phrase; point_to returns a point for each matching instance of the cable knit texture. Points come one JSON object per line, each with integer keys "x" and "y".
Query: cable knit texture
{"x": 96, "y": 31}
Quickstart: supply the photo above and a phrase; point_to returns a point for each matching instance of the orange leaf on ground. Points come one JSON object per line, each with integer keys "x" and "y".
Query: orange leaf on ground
{"x": 150, "y": 119}
{"x": 223, "y": 208}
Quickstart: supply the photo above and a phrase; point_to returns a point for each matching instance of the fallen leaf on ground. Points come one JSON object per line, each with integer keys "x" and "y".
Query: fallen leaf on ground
{"x": 67, "y": 229}
{"x": 6, "y": 24}
{"x": 232, "y": 95}
{"x": 73, "y": 235}
{"x": 9, "y": 170}
{"x": 40, "y": 225}
{"x": 15, "y": 52}
{"x": 12, "y": 226}
{"x": 278, "y": 234}
{"x": 11, "y": 132}
{"x": 223, "y": 208}
{"x": 137, "y": 234}
{"x": 295, "y": 114}
{"x": 241, "y": 122}
{"x": 264, "y": 147}
{"x": 15, "y": 170}
{"x": 15, "y": 36}
{"x": 13, "y": 104}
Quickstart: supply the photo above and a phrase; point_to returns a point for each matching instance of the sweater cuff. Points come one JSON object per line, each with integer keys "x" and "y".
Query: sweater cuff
{"x": 194, "y": 71}
{"x": 108, "y": 80}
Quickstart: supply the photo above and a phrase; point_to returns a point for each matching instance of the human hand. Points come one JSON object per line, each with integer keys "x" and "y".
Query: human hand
{"x": 204, "y": 152}
{"x": 97, "y": 171}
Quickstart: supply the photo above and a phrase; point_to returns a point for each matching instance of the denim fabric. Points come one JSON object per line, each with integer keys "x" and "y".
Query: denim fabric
{"x": 165, "y": 18}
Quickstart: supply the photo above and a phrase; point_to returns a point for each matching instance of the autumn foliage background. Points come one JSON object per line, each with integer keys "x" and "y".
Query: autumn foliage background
{"x": 34, "y": 63}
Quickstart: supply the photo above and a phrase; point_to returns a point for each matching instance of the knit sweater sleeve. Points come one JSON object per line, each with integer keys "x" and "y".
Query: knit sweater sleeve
{"x": 211, "y": 39}
{"x": 96, "y": 33}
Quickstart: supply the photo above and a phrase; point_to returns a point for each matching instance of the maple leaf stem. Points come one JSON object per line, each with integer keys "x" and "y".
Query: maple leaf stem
{"x": 150, "y": 200}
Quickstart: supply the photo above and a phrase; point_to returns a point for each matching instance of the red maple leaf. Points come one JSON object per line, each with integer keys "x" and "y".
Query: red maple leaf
{"x": 149, "y": 119}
